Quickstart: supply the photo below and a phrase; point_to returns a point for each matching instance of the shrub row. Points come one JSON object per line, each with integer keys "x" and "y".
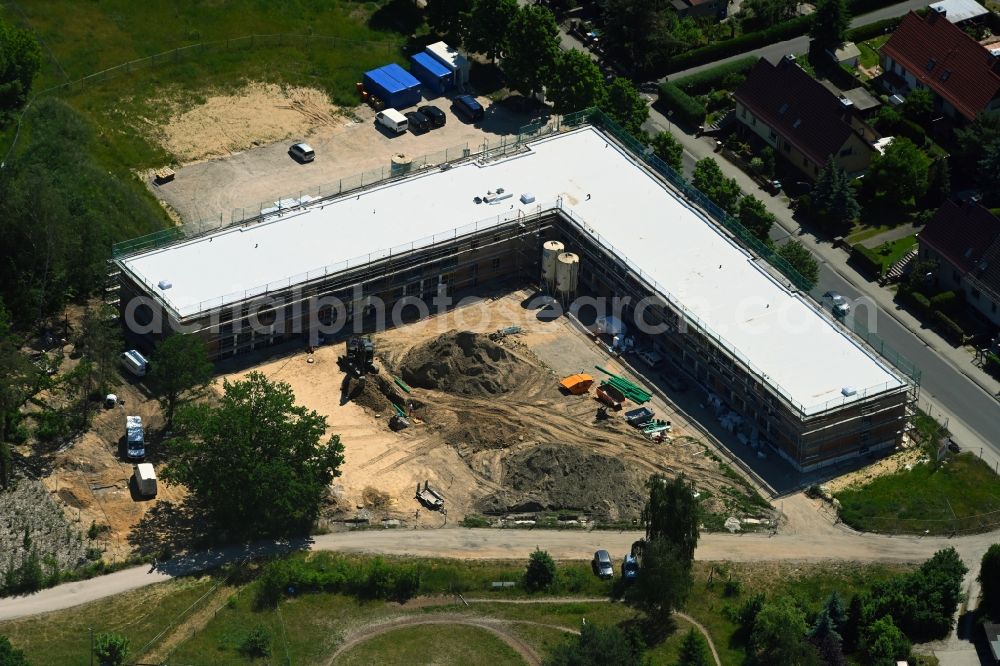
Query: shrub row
{"x": 716, "y": 77}
{"x": 951, "y": 330}
{"x": 865, "y": 32}
{"x": 752, "y": 40}
{"x": 945, "y": 301}
{"x": 377, "y": 580}
{"x": 992, "y": 364}
{"x": 689, "y": 111}
{"x": 867, "y": 259}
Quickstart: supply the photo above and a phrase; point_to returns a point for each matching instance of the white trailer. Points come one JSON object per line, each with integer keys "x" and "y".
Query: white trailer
{"x": 452, "y": 59}
{"x": 145, "y": 479}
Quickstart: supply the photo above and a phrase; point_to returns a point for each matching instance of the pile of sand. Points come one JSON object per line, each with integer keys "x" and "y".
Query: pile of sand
{"x": 376, "y": 393}
{"x": 469, "y": 364}
{"x": 552, "y": 478}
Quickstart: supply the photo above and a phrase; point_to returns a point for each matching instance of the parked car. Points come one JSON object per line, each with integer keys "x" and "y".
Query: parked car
{"x": 434, "y": 114}
{"x": 135, "y": 363}
{"x": 469, "y": 107}
{"x": 838, "y": 303}
{"x": 773, "y": 186}
{"x": 953, "y": 446}
{"x": 419, "y": 123}
{"x": 630, "y": 568}
{"x": 603, "y": 568}
{"x": 302, "y": 152}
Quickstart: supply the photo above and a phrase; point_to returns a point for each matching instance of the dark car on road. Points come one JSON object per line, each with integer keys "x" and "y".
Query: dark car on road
{"x": 418, "y": 122}
{"x": 435, "y": 115}
{"x": 603, "y": 568}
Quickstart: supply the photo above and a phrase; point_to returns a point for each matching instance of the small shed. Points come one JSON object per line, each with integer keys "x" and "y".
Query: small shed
{"x": 431, "y": 73}
{"x": 847, "y": 54}
{"x": 452, "y": 59}
{"x": 393, "y": 85}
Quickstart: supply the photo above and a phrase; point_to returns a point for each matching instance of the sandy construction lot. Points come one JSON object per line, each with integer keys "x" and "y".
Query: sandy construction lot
{"x": 230, "y": 163}
{"x": 492, "y": 431}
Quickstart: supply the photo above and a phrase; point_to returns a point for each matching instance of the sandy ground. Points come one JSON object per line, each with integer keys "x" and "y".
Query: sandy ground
{"x": 382, "y": 462}
{"x": 898, "y": 461}
{"x": 230, "y": 164}
{"x": 93, "y": 482}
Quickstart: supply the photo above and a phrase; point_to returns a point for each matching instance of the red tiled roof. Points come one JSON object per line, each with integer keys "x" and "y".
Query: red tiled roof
{"x": 962, "y": 234}
{"x": 945, "y": 59}
{"x": 797, "y": 106}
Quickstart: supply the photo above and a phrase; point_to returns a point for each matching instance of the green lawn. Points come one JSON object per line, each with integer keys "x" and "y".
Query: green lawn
{"x": 869, "y": 51}
{"x": 891, "y": 252}
{"x": 64, "y": 637}
{"x": 963, "y": 493}
{"x": 433, "y": 644}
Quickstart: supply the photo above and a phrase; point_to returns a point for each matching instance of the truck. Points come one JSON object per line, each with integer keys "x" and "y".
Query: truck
{"x": 135, "y": 438}
{"x": 145, "y": 479}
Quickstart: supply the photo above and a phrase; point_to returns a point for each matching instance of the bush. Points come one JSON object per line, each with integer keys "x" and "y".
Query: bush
{"x": 992, "y": 364}
{"x": 733, "y": 587}
{"x": 944, "y": 302}
{"x": 541, "y": 572}
{"x": 256, "y": 643}
{"x": 951, "y": 330}
{"x": 921, "y": 302}
{"x": 867, "y": 259}
{"x": 52, "y": 425}
{"x": 726, "y": 76}
{"x": 688, "y": 110}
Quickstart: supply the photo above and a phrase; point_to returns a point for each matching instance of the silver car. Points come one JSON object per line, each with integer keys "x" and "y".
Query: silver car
{"x": 839, "y": 304}
{"x": 603, "y": 568}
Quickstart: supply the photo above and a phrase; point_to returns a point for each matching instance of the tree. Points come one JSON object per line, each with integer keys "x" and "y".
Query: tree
{"x": 919, "y": 106}
{"x": 900, "y": 173}
{"x": 626, "y": 107}
{"x": 255, "y": 461}
{"x": 541, "y": 572}
{"x": 179, "y": 364}
{"x": 759, "y": 14}
{"x": 779, "y": 635}
{"x": 643, "y": 32}
{"x": 597, "y": 646}
{"x": 534, "y": 49}
{"x": 801, "y": 259}
{"x": 833, "y": 201}
{"x": 884, "y": 643}
{"x": 830, "y": 24}
{"x": 835, "y": 610}
{"x": 111, "y": 649}
{"x": 20, "y": 58}
{"x": 11, "y": 656}
{"x": 450, "y": 19}
{"x": 974, "y": 137}
{"x": 576, "y": 84}
{"x": 668, "y": 149}
{"x": 988, "y": 172}
{"x": 756, "y": 218}
{"x": 989, "y": 581}
{"x": 939, "y": 188}
{"x": 664, "y": 580}
{"x": 671, "y": 513}
{"x": 709, "y": 179}
{"x": 694, "y": 650}
{"x": 100, "y": 340}
{"x": 489, "y": 26}
{"x": 18, "y": 377}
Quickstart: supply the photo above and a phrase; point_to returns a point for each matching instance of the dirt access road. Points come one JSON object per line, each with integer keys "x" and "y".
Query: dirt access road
{"x": 810, "y": 540}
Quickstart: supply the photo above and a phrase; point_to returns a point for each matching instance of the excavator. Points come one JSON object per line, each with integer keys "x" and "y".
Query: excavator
{"x": 359, "y": 359}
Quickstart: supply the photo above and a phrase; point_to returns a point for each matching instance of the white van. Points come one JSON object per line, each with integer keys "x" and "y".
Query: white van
{"x": 135, "y": 363}
{"x": 392, "y": 119}
{"x": 145, "y": 479}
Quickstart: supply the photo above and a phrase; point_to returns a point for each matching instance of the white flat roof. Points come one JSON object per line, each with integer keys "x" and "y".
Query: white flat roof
{"x": 783, "y": 335}
{"x": 957, "y": 11}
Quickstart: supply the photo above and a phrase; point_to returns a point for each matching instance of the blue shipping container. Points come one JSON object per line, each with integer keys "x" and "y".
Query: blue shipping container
{"x": 431, "y": 73}
{"x": 394, "y": 86}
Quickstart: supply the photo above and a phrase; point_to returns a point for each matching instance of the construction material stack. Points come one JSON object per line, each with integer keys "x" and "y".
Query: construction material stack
{"x": 632, "y": 391}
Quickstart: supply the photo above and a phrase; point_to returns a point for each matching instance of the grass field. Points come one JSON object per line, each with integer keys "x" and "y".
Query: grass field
{"x": 869, "y": 51}
{"x": 438, "y": 644}
{"x": 958, "y": 495}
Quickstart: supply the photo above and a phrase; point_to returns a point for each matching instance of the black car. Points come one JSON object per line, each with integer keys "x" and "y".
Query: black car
{"x": 418, "y": 122}
{"x": 468, "y": 106}
{"x": 434, "y": 114}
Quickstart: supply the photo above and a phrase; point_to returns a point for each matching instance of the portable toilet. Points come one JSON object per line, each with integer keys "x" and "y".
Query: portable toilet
{"x": 452, "y": 59}
{"x": 431, "y": 73}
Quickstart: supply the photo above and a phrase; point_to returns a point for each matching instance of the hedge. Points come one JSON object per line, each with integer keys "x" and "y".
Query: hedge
{"x": 865, "y": 32}
{"x": 944, "y": 302}
{"x": 714, "y": 78}
{"x": 867, "y": 259}
{"x": 992, "y": 364}
{"x": 752, "y": 40}
{"x": 952, "y": 331}
{"x": 922, "y": 302}
{"x": 689, "y": 111}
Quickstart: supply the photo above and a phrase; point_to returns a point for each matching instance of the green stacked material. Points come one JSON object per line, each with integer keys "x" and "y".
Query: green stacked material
{"x": 399, "y": 410}
{"x": 633, "y": 392}
{"x": 401, "y": 384}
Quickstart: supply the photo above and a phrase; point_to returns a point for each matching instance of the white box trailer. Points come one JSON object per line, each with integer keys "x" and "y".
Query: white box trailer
{"x": 451, "y": 59}
{"x": 145, "y": 479}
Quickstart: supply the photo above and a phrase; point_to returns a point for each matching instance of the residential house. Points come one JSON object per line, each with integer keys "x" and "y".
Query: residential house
{"x": 965, "y": 241}
{"x": 932, "y": 52}
{"x": 715, "y": 9}
{"x": 802, "y": 120}
{"x": 961, "y": 11}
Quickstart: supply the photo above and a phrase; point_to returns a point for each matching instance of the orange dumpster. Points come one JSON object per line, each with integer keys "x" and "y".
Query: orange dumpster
{"x": 577, "y": 384}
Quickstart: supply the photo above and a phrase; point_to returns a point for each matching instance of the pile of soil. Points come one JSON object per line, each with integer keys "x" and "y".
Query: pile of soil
{"x": 552, "y": 478}
{"x": 472, "y": 433}
{"x": 376, "y": 393}
{"x": 469, "y": 364}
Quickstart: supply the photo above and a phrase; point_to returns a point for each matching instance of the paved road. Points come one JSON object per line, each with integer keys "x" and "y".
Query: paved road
{"x": 778, "y": 50}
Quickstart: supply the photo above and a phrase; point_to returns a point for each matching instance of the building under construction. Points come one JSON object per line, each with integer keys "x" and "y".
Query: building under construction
{"x": 589, "y": 217}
